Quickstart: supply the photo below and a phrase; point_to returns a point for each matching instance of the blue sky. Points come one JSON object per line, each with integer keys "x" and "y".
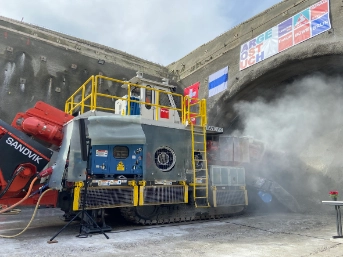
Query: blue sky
{"x": 156, "y": 30}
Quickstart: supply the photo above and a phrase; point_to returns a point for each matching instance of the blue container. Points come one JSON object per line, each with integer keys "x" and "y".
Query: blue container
{"x": 134, "y": 107}
{"x": 266, "y": 197}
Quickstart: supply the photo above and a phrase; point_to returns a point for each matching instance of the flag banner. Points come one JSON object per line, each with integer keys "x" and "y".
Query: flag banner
{"x": 192, "y": 92}
{"x": 217, "y": 82}
{"x": 302, "y": 26}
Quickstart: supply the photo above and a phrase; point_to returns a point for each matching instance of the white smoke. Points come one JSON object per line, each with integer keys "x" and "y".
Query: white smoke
{"x": 307, "y": 111}
{"x": 302, "y": 132}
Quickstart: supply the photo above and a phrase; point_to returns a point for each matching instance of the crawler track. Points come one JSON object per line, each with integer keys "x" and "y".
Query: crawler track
{"x": 166, "y": 214}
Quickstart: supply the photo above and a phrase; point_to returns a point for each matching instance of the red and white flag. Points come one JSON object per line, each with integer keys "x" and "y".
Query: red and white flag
{"x": 192, "y": 92}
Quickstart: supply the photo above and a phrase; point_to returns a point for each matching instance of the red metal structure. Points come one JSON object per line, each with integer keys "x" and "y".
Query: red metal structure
{"x": 43, "y": 121}
{"x": 22, "y": 157}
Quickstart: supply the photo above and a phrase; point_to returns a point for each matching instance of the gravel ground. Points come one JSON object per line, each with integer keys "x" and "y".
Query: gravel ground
{"x": 252, "y": 234}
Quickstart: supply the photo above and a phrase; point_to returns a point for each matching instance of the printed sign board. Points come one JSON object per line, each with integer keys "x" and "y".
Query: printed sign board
{"x": 302, "y": 26}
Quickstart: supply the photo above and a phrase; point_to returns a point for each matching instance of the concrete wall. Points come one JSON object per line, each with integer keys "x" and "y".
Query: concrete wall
{"x": 39, "y": 64}
{"x": 321, "y": 53}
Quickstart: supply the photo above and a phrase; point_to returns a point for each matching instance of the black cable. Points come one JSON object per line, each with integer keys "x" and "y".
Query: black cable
{"x": 10, "y": 182}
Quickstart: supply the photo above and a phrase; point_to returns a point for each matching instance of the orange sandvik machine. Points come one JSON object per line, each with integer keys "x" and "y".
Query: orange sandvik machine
{"x": 24, "y": 152}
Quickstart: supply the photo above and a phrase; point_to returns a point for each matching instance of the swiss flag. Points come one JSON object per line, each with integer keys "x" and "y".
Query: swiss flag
{"x": 192, "y": 92}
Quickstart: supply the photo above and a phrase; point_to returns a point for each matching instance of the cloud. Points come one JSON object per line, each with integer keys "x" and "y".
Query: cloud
{"x": 156, "y": 30}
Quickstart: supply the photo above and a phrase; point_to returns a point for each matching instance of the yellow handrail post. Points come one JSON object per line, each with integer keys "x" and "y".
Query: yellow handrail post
{"x": 157, "y": 103}
{"x": 187, "y": 110}
{"x": 203, "y": 113}
{"x": 66, "y": 109}
{"x": 72, "y": 104}
{"x": 128, "y": 99}
{"x": 83, "y": 100}
{"x": 182, "y": 121}
{"x": 94, "y": 91}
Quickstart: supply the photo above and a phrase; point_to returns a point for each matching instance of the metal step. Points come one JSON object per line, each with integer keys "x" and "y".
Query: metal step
{"x": 199, "y": 185}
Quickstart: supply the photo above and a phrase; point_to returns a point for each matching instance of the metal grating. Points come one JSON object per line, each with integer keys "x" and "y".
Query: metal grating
{"x": 104, "y": 197}
{"x": 227, "y": 176}
{"x": 164, "y": 194}
{"x": 229, "y": 198}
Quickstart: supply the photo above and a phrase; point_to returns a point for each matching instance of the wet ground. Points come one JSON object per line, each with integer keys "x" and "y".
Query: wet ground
{"x": 252, "y": 234}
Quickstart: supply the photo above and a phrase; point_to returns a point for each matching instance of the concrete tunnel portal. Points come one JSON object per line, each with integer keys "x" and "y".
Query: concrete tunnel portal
{"x": 317, "y": 166}
{"x": 271, "y": 86}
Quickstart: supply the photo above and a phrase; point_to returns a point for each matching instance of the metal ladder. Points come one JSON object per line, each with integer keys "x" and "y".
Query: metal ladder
{"x": 199, "y": 160}
{"x": 171, "y": 100}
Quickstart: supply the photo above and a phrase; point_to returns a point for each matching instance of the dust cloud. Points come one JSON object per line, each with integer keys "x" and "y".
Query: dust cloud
{"x": 309, "y": 109}
{"x": 302, "y": 132}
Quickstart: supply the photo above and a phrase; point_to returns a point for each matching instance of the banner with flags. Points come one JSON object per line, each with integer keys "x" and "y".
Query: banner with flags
{"x": 217, "y": 82}
{"x": 302, "y": 26}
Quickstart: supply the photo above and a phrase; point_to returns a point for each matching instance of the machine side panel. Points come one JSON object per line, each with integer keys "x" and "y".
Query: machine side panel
{"x": 55, "y": 181}
{"x": 77, "y": 167}
{"x": 163, "y": 147}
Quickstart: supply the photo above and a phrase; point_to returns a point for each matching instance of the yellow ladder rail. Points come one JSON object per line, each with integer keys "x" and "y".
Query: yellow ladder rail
{"x": 200, "y": 190}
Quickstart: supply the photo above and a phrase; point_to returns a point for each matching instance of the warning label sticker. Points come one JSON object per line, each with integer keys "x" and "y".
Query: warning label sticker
{"x": 121, "y": 166}
{"x": 101, "y": 153}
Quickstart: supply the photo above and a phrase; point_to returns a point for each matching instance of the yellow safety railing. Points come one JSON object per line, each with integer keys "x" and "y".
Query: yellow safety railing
{"x": 195, "y": 109}
{"x": 88, "y": 97}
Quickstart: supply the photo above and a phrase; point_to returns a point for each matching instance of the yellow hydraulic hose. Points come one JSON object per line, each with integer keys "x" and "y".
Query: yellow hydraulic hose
{"x": 33, "y": 216}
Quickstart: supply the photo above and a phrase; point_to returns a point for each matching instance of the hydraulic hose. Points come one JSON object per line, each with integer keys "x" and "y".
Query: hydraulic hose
{"x": 22, "y": 200}
{"x": 10, "y": 182}
{"x": 42, "y": 174}
{"x": 32, "y": 218}
{"x": 11, "y": 212}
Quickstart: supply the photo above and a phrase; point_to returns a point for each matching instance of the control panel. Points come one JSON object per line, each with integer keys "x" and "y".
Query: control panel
{"x": 117, "y": 159}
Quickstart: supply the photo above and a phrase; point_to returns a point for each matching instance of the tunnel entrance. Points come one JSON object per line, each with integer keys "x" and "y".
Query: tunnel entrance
{"x": 272, "y": 85}
{"x": 297, "y": 111}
